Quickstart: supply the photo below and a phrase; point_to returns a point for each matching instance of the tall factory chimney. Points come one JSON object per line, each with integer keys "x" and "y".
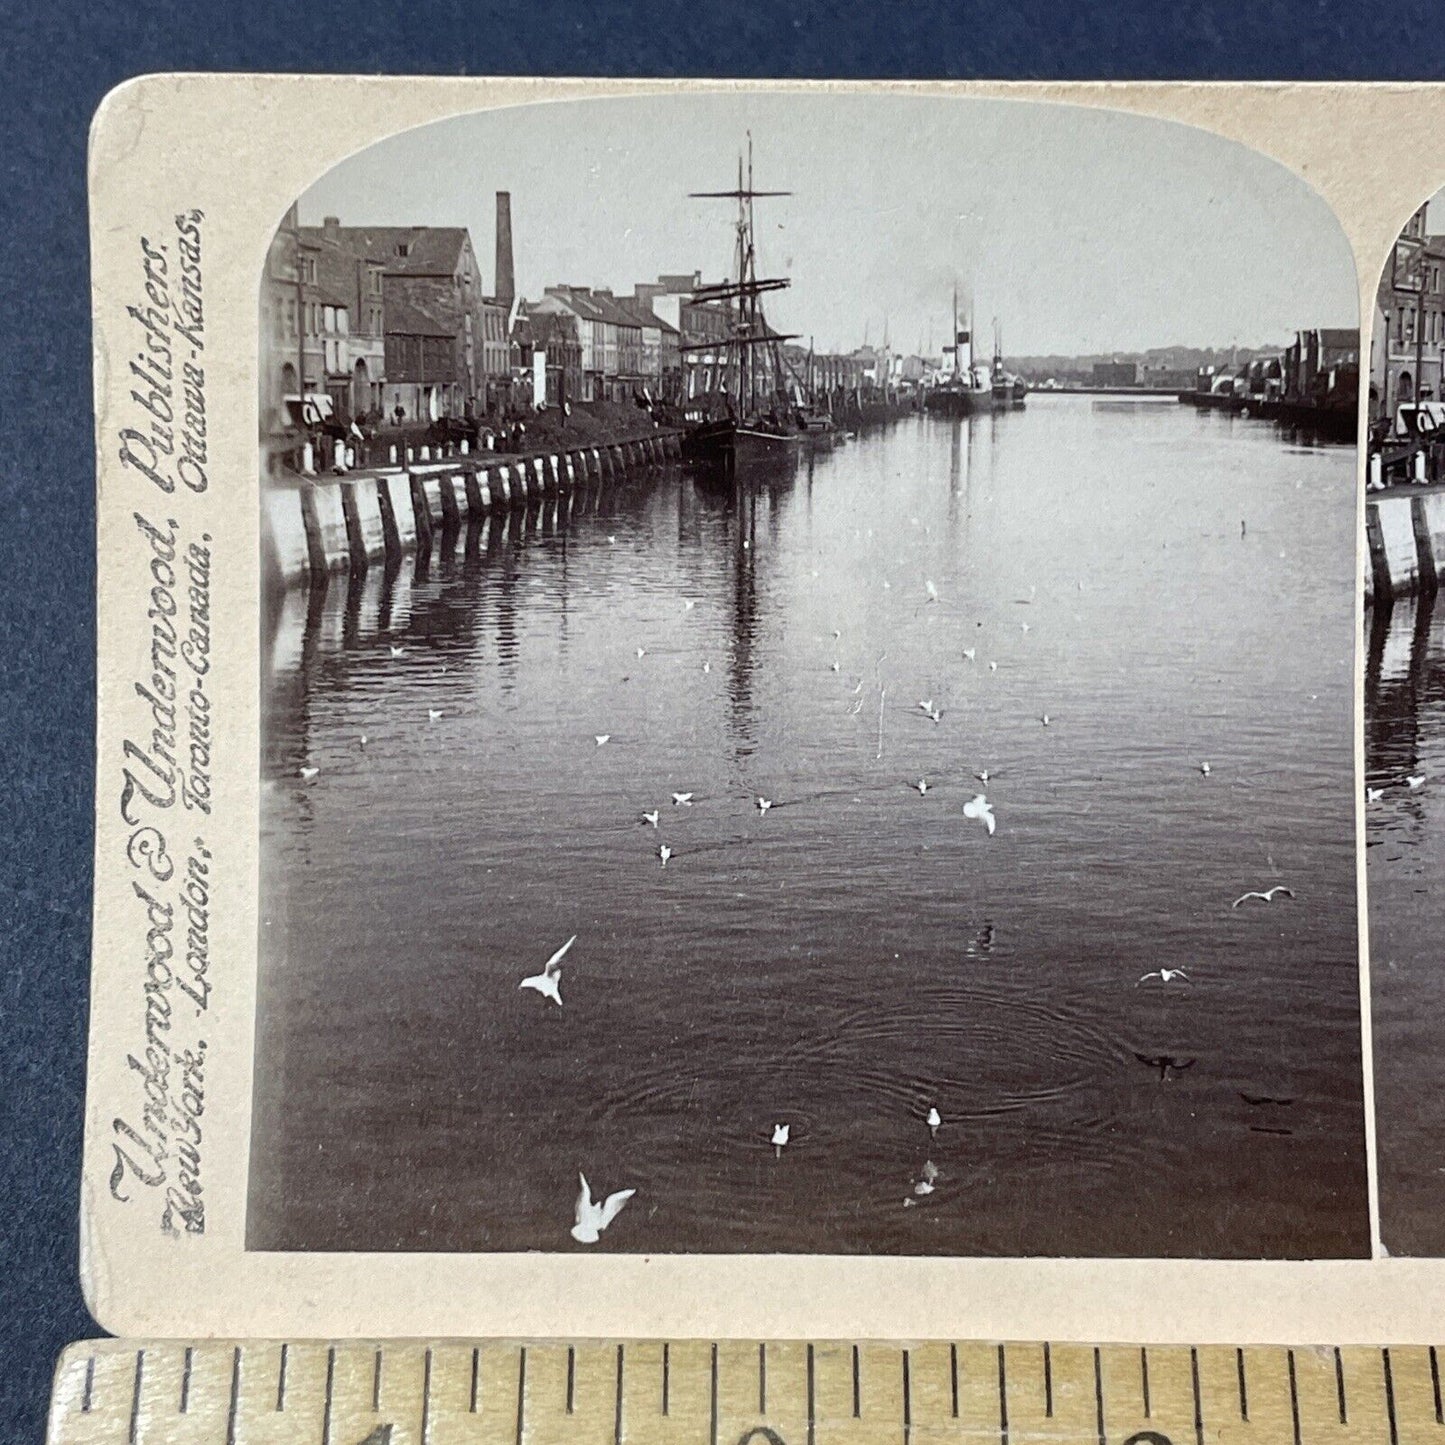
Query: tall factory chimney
{"x": 506, "y": 274}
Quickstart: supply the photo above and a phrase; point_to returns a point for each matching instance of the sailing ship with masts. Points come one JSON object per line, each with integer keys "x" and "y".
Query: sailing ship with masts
{"x": 757, "y": 407}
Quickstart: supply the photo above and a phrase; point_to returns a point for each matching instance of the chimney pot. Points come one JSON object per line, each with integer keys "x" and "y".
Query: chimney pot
{"x": 331, "y": 223}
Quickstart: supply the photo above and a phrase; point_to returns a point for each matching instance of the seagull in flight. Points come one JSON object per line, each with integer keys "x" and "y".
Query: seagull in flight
{"x": 1416, "y": 780}
{"x": 934, "y": 1120}
{"x": 308, "y": 773}
{"x": 993, "y": 667}
{"x": 1268, "y": 896}
{"x": 707, "y": 667}
{"x": 1205, "y": 769}
{"x": 688, "y": 603}
{"x": 682, "y": 800}
{"x": 398, "y": 651}
{"x": 983, "y": 776}
{"x": 764, "y": 804}
{"x": 601, "y": 738}
{"x": 433, "y": 713}
{"x": 1373, "y": 795}
{"x": 641, "y": 652}
{"x": 1164, "y": 975}
{"x": 835, "y": 665}
{"x": 593, "y": 1218}
{"x": 548, "y": 983}
{"x": 780, "y": 1138}
{"x": 651, "y": 817}
{"x": 664, "y": 852}
{"x": 926, "y": 705}
{"x": 970, "y": 653}
{"x": 979, "y": 807}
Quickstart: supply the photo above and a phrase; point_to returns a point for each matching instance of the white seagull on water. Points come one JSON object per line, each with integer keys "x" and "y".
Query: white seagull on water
{"x": 970, "y": 653}
{"x": 682, "y": 800}
{"x": 433, "y": 713}
{"x": 979, "y": 807}
{"x": 308, "y": 773}
{"x": 593, "y": 1218}
{"x": 1373, "y": 795}
{"x": 548, "y": 983}
{"x": 780, "y": 1138}
{"x": 921, "y": 785}
{"x": 601, "y": 738}
{"x": 1164, "y": 975}
{"x": 764, "y": 804}
{"x": 934, "y": 1120}
{"x": 664, "y": 852}
{"x": 1204, "y": 768}
{"x": 1416, "y": 780}
{"x": 1267, "y": 896}
{"x": 930, "y": 1174}
{"x": 650, "y": 817}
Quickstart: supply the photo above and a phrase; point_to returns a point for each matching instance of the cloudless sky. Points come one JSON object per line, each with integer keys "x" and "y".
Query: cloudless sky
{"x": 1081, "y": 230}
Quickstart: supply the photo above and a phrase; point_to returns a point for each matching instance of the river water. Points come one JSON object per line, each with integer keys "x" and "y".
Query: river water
{"x": 1405, "y": 861}
{"x": 1168, "y": 588}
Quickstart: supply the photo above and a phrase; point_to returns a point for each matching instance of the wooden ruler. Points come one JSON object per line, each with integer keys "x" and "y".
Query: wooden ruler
{"x": 697, "y": 1392}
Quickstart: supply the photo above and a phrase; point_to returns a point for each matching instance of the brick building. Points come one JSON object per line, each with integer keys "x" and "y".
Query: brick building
{"x": 1407, "y": 350}
{"x": 432, "y": 288}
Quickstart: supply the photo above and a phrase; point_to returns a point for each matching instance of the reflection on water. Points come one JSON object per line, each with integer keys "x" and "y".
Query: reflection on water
{"x": 1405, "y": 862}
{"x": 862, "y": 952}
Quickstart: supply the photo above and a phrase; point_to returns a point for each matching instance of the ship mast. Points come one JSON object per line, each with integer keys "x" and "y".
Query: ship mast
{"x": 745, "y": 368}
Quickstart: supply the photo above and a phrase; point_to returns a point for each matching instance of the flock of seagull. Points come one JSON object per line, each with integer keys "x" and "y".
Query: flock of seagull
{"x": 592, "y": 1217}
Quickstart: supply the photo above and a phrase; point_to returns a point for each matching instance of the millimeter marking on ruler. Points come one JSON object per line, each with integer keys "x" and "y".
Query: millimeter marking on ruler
{"x": 683, "y": 1392}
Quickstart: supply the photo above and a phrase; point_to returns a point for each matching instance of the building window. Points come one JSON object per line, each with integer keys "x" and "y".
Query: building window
{"x": 308, "y": 269}
{"x": 376, "y": 283}
{"x": 403, "y": 248}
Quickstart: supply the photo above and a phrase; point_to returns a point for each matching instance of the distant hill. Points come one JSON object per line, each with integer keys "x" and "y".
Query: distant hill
{"x": 1181, "y": 359}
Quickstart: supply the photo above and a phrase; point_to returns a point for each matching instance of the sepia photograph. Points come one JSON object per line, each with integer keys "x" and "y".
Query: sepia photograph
{"x": 1405, "y": 732}
{"x": 808, "y": 657}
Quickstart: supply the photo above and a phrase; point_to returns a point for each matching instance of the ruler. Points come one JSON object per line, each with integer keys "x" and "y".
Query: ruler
{"x": 733, "y": 1392}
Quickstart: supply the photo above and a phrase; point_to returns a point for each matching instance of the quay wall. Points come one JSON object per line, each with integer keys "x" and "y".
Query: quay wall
{"x": 350, "y": 522}
{"x": 1406, "y": 540}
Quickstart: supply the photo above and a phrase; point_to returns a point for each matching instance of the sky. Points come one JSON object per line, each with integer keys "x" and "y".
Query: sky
{"x": 1079, "y": 230}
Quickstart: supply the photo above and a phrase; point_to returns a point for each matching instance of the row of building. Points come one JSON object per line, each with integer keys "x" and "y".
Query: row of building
{"x": 1407, "y": 348}
{"x": 395, "y": 324}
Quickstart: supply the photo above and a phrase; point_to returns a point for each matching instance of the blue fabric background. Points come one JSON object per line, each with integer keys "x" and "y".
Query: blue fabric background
{"x": 60, "y": 59}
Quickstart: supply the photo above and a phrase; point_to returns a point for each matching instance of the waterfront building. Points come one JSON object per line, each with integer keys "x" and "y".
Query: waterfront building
{"x": 554, "y": 338}
{"x": 628, "y": 378}
{"x": 1116, "y": 373}
{"x": 661, "y": 343}
{"x": 425, "y": 373}
{"x": 1407, "y": 349}
{"x": 279, "y": 345}
{"x": 430, "y": 278}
